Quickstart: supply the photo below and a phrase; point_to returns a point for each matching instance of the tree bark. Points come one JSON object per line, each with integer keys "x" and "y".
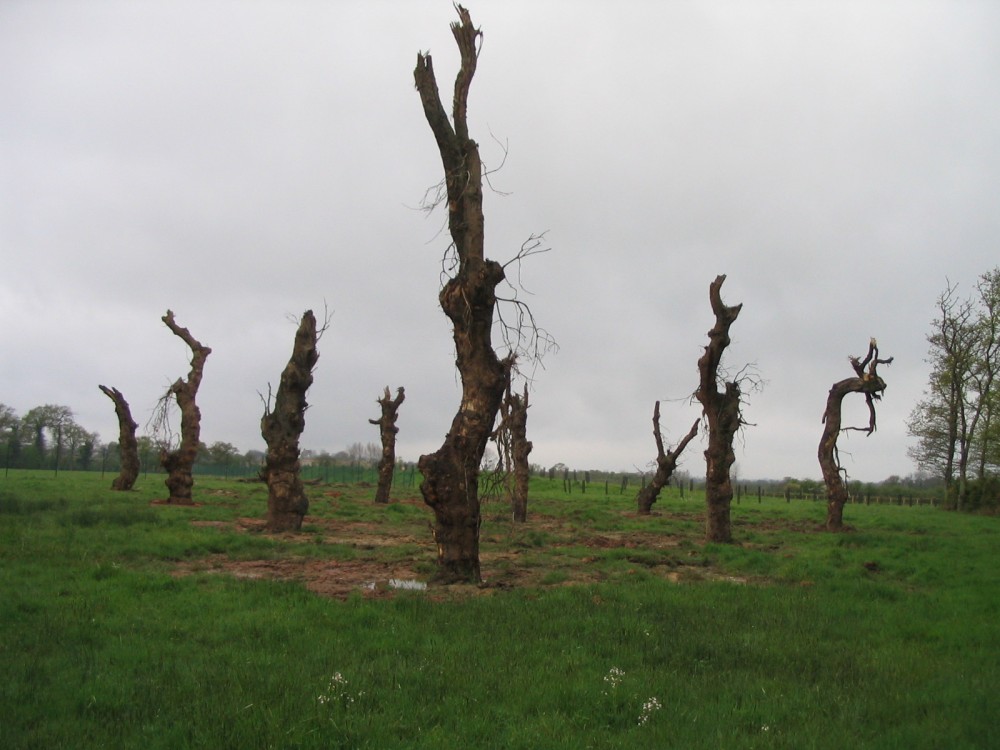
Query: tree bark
{"x": 665, "y": 463}
{"x": 281, "y": 428}
{"x": 387, "y": 431}
{"x": 128, "y": 446}
{"x": 179, "y": 463}
{"x": 451, "y": 474}
{"x": 869, "y": 383}
{"x": 722, "y": 412}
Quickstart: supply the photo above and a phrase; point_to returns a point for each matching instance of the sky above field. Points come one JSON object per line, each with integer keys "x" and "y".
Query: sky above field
{"x": 240, "y": 163}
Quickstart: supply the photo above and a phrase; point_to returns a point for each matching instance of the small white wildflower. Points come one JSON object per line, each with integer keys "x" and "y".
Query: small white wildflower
{"x": 614, "y": 676}
{"x": 337, "y": 691}
{"x": 653, "y": 704}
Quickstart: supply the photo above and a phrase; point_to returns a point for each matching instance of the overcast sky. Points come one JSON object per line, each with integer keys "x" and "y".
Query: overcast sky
{"x": 241, "y": 162}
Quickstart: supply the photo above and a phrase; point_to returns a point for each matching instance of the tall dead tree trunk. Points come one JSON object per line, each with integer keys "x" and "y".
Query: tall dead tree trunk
{"x": 128, "y": 446}
{"x": 179, "y": 463}
{"x": 666, "y": 462}
{"x": 722, "y": 411}
{"x": 869, "y": 383}
{"x": 281, "y": 428}
{"x": 514, "y": 446}
{"x": 387, "y": 431}
{"x": 451, "y": 475}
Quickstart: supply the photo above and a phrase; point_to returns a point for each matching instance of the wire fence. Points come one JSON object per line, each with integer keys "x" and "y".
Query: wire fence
{"x": 568, "y": 480}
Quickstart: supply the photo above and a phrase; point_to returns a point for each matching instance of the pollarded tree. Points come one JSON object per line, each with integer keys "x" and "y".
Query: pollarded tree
{"x": 666, "y": 462}
{"x": 387, "y": 431}
{"x": 281, "y": 428}
{"x": 868, "y": 382}
{"x": 178, "y": 463}
{"x": 722, "y": 412}
{"x": 514, "y": 448}
{"x": 451, "y": 474}
{"x": 128, "y": 445}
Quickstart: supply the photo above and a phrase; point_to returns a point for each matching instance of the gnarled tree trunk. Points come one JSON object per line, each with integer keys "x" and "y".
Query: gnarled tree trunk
{"x": 387, "y": 431}
{"x": 128, "y": 446}
{"x": 512, "y": 438}
{"x": 451, "y": 474}
{"x": 722, "y": 411}
{"x": 869, "y": 383}
{"x": 666, "y": 462}
{"x": 179, "y": 463}
{"x": 281, "y": 428}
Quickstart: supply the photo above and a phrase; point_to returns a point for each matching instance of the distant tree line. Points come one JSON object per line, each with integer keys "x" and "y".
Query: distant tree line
{"x": 48, "y": 437}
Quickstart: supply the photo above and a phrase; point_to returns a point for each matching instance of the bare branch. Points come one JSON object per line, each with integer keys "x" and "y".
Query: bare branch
{"x": 505, "y": 147}
{"x": 327, "y": 317}
{"x": 520, "y": 332}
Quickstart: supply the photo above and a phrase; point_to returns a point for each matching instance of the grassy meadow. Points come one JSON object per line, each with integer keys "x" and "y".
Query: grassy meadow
{"x": 128, "y": 624}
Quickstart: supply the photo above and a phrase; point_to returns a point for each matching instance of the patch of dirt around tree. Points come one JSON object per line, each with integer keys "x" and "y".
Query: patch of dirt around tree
{"x": 333, "y": 578}
{"x": 517, "y": 559}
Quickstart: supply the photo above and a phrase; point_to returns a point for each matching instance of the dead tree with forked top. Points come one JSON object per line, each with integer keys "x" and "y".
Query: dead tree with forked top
{"x": 451, "y": 474}
{"x": 722, "y": 412}
{"x": 281, "y": 427}
{"x": 866, "y": 381}
{"x": 666, "y": 462}
{"x": 178, "y": 463}
{"x": 128, "y": 446}
{"x": 387, "y": 431}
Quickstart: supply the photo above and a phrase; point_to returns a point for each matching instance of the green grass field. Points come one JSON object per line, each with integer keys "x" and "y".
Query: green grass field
{"x": 126, "y": 624}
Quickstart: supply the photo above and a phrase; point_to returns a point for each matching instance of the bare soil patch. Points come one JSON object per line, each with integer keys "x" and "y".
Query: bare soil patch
{"x": 379, "y": 557}
{"x": 333, "y": 578}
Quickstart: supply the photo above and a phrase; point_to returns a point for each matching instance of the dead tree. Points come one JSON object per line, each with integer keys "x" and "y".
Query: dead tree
{"x": 128, "y": 446}
{"x": 451, "y": 474}
{"x": 387, "y": 430}
{"x": 666, "y": 462}
{"x": 178, "y": 463}
{"x": 721, "y": 410}
{"x": 281, "y": 427}
{"x": 514, "y": 447}
{"x": 868, "y": 382}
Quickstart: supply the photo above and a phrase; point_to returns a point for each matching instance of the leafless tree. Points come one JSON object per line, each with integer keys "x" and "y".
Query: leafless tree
{"x": 281, "y": 428}
{"x": 468, "y": 298}
{"x": 666, "y": 462}
{"x": 387, "y": 430}
{"x": 178, "y": 463}
{"x": 513, "y": 448}
{"x": 128, "y": 445}
{"x": 868, "y": 382}
{"x": 721, "y": 410}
